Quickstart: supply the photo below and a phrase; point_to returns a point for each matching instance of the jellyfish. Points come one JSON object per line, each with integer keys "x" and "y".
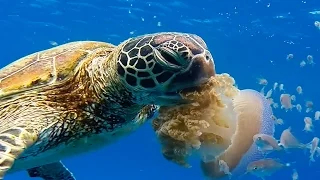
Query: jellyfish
{"x": 218, "y": 125}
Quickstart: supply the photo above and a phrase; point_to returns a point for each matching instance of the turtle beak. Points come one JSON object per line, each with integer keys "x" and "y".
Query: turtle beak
{"x": 200, "y": 69}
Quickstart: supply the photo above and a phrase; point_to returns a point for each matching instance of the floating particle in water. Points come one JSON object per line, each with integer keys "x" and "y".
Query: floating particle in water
{"x": 303, "y": 63}
{"x": 299, "y": 90}
{"x": 269, "y": 94}
{"x": 293, "y": 98}
{"x": 275, "y": 105}
{"x": 159, "y": 24}
{"x": 279, "y": 121}
{"x": 281, "y": 87}
{"x": 262, "y": 81}
{"x": 308, "y": 125}
{"x": 309, "y": 106}
{"x": 53, "y": 43}
{"x": 310, "y": 59}
{"x": 262, "y": 90}
{"x": 317, "y": 24}
{"x": 290, "y": 56}
{"x": 317, "y": 115}
{"x": 132, "y": 32}
{"x": 299, "y": 107}
{"x": 315, "y": 12}
{"x": 295, "y": 175}
{"x": 275, "y": 85}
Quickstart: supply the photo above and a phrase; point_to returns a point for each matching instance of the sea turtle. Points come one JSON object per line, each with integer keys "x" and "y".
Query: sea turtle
{"x": 83, "y": 95}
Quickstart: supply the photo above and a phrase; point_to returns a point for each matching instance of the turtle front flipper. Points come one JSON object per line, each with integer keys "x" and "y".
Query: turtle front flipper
{"x": 147, "y": 113}
{"x": 51, "y": 171}
{"x": 13, "y": 142}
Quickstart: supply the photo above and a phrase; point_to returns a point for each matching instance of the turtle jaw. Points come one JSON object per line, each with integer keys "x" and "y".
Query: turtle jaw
{"x": 176, "y": 97}
{"x": 200, "y": 70}
{"x": 169, "y": 98}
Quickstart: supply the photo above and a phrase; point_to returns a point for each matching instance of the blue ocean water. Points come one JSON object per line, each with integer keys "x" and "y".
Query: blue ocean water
{"x": 249, "y": 39}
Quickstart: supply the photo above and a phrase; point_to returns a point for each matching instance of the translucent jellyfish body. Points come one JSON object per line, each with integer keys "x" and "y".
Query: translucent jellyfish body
{"x": 218, "y": 125}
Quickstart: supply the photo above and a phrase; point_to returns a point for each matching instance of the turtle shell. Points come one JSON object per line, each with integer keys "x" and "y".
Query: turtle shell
{"x": 48, "y": 67}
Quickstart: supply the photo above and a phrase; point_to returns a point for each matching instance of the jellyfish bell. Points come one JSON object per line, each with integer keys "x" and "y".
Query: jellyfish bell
{"x": 218, "y": 126}
{"x": 254, "y": 116}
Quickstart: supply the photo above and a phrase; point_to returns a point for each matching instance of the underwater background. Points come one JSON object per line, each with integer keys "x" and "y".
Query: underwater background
{"x": 249, "y": 39}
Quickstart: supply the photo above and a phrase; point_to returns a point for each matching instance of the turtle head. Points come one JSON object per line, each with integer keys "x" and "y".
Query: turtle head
{"x": 156, "y": 67}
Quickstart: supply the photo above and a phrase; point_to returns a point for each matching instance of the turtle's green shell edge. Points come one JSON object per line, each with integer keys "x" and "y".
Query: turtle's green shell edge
{"x": 48, "y": 67}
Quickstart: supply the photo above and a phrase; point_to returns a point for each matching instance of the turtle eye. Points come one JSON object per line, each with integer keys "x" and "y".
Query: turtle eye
{"x": 255, "y": 168}
{"x": 163, "y": 56}
{"x": 170, "y": 56}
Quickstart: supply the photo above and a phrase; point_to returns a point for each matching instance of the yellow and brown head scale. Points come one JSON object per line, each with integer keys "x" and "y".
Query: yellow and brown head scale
{"x": 162, "y": 64}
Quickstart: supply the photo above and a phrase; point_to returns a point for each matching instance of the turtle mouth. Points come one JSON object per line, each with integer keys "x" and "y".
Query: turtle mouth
{"x": 183, "y": 91}
{"x": 189, "y": 88}
{"x": 178, "y": 94}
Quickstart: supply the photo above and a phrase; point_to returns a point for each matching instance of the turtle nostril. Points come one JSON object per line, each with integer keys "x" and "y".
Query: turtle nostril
{"x": 205, "y": 67}
{"x": 207, "y": 57}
